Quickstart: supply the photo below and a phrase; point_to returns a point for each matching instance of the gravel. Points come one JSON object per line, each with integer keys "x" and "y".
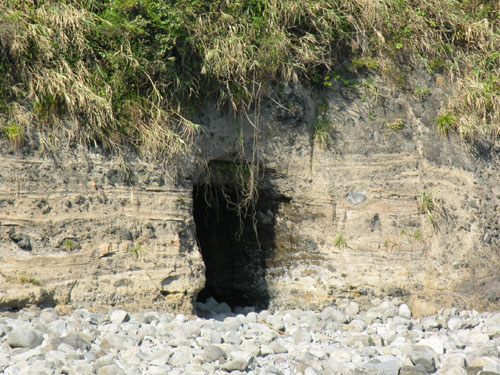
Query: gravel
{"x": 343, "y": 339}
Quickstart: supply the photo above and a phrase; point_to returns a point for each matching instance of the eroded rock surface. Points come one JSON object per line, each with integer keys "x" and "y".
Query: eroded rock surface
{"x": 101, "y": 233}
{"x": 389, "y": 207}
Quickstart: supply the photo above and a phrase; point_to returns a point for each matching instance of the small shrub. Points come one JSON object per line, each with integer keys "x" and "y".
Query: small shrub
{"x": 427, "y": 201}
{"x": 418, "y": 235}
{"x": 365, "y": 63}
{"x": 429, "y": 205}
{"x": 372, "y": 89}
{"x": 436, "y": 65}
{"x": 324, "y": 127}
{"x": 323, "y": 130}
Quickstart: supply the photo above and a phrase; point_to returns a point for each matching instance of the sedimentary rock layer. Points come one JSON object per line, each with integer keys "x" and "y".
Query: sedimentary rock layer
{"x": 387, "y": 206}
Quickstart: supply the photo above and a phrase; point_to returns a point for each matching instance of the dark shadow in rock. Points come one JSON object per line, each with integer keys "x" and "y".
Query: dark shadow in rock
{"x": 235, "y": 251}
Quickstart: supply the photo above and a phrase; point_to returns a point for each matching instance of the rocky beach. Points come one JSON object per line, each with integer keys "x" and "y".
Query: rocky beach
{"x": 346, "y": 339}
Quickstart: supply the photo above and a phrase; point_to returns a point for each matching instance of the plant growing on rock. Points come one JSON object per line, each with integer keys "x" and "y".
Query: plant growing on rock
{"x": 428, "y": 204}
{"x": 372, "y": 90}
{"x": 29, "y": 280}
{"x": 417, "y": 235}
{"x": 340, "y": 242}
{"x": 13, "y": 132}
{"x": 69, "y": 245}
{"x": 138, "y": 250}
{"x": 445, "y": 123}
{"x": 422, "y": 92}
{"x": 396, "y": 125}
{"x": 323, "y": 131}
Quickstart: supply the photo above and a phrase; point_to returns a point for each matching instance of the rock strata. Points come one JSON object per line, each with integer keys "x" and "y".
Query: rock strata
{"x": 378, "y": 211}
{"x": 389, "y": 342}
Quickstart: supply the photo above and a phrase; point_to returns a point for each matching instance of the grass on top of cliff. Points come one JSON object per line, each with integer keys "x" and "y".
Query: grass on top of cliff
{"x": 116, "y": 72}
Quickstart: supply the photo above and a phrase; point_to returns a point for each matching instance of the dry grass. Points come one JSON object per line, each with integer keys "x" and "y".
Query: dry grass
{"x": 457, "y": 38}
{"x": 242, "y": 50}
{"x": 48, "y": 82}
{"x": 58, "y": 80}
{"x": 116, "y": 72}
{"x": 477, "y": 101}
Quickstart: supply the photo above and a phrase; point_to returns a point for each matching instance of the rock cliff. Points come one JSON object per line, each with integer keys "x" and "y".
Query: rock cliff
{"x": 382, "y": 205}
{"x": 90, "y": 230}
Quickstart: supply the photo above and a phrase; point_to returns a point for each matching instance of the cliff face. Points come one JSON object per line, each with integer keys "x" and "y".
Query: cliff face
{"x": 94, "y": 231}
{"x": 388, "y": 207}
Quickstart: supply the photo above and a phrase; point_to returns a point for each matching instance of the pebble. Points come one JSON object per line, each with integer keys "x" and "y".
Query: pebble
{"x": 23, "y": 337}
{"x": 346, "y": 339}
{"x": 212, "y": 353}
{"x": 119, "y": 316}
{"x": 404, "y": 311}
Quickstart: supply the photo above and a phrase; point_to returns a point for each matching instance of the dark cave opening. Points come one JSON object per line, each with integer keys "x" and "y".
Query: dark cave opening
{"x": 234, "y": 249}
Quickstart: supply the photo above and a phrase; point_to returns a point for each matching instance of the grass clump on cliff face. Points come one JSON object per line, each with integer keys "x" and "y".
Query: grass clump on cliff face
{"x": 445, "y": 123}
{"x": 29, "y": 280}
{"x": 117, "y": 72}
{"x": 340, "y": 242}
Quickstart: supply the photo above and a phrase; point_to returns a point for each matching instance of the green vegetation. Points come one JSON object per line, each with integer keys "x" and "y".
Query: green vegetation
{"x": 417, "y": 235}
{"x": 396, "y": 125}
{"x": 372, "y": 90}
{"x": 323, "y": 131}
{"x": 340, "y": 242}
{"x": 131, "y": 72}
{"x": 445, "y": 123}
{"x": 138, "y": 250}
{"x": 14, "y": 134}
{"x": 69, "y": 245}
{"x": 29, "y": 280}
{"x": 370, "y": 64}
{"x": 428, "y": 204}
{"x": 422, "y": 92}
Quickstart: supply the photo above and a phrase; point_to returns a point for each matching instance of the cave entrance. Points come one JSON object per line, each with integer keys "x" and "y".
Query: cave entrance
{"x": 234, "y": 249}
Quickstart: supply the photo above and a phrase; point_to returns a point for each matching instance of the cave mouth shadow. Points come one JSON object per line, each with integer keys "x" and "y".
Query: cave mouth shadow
{"x": 235, "y": 250}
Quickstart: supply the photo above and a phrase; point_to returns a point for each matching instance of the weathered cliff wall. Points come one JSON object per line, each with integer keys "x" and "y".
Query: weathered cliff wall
{"x": 93, "y": 231}
{"x": 389, "y": 207}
